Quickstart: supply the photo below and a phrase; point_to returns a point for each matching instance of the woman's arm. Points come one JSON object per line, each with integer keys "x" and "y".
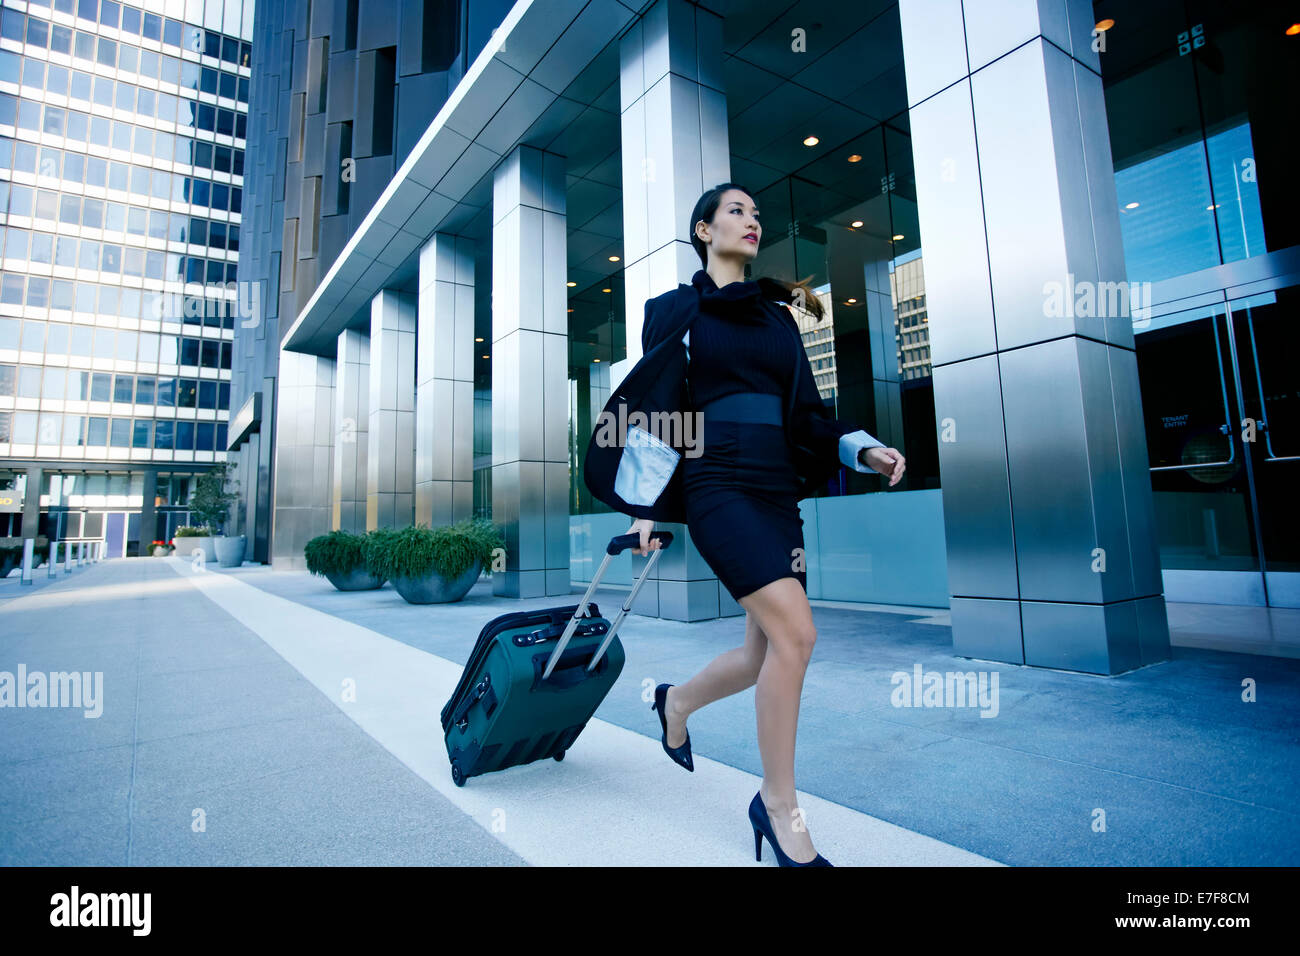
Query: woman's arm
{"x": 826, "y": 435}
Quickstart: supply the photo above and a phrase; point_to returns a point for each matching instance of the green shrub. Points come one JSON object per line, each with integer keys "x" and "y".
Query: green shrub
{"x": 190, "y": 531}
{"x": 338, "y": 552}
{"x": 374, "y": 547}
{"x": 210, "y": 501}
{"x": 416, "y": 552}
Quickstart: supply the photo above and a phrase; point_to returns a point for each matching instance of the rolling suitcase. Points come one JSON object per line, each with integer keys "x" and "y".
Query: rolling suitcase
{"x": 535, "y": 678}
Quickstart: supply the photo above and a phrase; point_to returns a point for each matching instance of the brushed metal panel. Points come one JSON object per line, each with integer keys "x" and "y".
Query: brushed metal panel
{"x": 1022, "y": 195}
{"x": 950, "y": 212}
{"x": 1073, "y": 187}
{"x": 707, "y": 34}
{"x": 1153, "y": 629}
{"x": 554, "y": 400}
{"x": 986, "y": 629}
{"x": 463, "y": 323}
{"x": 529, "y": 420}
{"x": 532, "y": 515}
{"x": 994, "y": 27}
{"x": 1050, "y": 474}
{"x": 634, "y": 156}
{"x": 552, "y": 168}
{"x": 660, "y": 126}
{"x": 555, "y": 474}
{"x": 1081, "y": 20}
{"x": 976, "y": 487}
{"x": 631, "y": 65}
{"x": 934, "y": 46}
{"x": 1104, "y": 461}
{"x": 1103, "y": 199}
{"x": 552, "y": 293}
{"x": 1093, "y": 638}
{"x": 1134, "y": 463}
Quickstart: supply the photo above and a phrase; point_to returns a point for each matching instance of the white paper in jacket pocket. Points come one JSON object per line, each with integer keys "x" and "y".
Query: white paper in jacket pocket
{"x": 645, "y": 467}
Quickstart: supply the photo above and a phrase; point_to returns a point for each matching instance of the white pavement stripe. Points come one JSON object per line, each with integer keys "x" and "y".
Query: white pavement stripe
{"x": 616, "y": 799}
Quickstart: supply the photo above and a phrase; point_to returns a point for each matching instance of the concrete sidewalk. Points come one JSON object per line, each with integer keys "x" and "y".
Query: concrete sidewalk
{"x": 240, "y": 714}
{"x": 203, "y": 725}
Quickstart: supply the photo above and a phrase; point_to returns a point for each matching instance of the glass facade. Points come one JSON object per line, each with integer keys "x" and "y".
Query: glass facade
{"x": 1197, "y": 99}
{"x": 122, "y": 136}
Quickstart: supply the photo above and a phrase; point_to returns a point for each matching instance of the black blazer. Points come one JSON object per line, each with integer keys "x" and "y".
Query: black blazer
{"x": 634, "y": 469}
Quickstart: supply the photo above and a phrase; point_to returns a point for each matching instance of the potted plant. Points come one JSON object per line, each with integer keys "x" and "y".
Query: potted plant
{"x": 189, "y": 537}
{"x": 340, "y": 557}
{"x": 161, "y": 549}
{"x": 211, "y": 502}
{"x": 433, "y": 566}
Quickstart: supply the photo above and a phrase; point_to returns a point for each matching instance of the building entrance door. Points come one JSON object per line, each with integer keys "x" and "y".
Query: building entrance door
{"x": 115, "y": 534}
{"x": 1221, "y": 396}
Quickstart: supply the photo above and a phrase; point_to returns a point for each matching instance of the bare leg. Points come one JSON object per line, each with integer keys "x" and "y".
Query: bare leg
{"x": 729, "y": 673}
{"x": 785, "y": 616}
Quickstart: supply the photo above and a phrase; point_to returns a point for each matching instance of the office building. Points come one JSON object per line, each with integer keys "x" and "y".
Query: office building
{"x": 122, "y": 133}
{"x": 1058, "y": 242}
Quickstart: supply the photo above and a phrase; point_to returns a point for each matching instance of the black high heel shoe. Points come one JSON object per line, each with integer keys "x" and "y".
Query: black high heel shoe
{"x": 762, "y": 824}
{"x": 682, "y": 754}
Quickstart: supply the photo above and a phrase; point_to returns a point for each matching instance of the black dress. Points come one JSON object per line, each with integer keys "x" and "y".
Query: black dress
{"x": 741, "y": 508}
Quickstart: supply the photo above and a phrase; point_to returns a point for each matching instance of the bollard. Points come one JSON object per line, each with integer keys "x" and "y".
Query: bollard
{"x": 81, "y": 553}
{"x": 99, "y": 551}
{"x": 67, "y": 557}
{"x": 53, "y": 562}
{"x": 26, "y": 575}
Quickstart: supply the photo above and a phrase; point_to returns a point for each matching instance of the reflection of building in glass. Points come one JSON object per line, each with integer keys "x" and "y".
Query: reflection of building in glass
{"x": 911, "y": 324}
{"x": 819, "y": 342}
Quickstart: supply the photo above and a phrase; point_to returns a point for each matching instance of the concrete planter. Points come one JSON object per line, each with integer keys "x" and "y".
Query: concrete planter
{"x": 435, "y": 589}
{"x": 185, "y": 548}
{"x": 230, "y": 550}
{"x": 358, "y": 579}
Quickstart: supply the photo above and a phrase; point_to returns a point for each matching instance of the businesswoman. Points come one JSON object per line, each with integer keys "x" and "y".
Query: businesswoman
{"x": 741, "y": 505}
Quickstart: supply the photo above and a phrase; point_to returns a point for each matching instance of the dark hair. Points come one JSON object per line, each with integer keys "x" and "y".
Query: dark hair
{"x": 706, "y": 207}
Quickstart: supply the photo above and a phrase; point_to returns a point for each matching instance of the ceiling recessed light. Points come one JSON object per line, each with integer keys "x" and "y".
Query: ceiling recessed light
{"x": 595, "y": 360}
{"x": 855, "y": 158}
{"x": 485, "y": 356}
{"x": 898, "y": 237}
{"x": 1131, "y": 205}
{"x": 1104, "y": 25}
{"x": 850, "y": 301}
{"x": 479, "y": 339}
{"x": 811, "y": 141}
{"x": 570, "y": 284}
{"x": 613, "y": 258}
{"x": 856, "y": 224}
{"x": 606, "y": 290}
{"x": 1293, "y": 29}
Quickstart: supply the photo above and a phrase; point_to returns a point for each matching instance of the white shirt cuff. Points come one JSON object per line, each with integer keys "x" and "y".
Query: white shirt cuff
{"x": 852, "y": 443}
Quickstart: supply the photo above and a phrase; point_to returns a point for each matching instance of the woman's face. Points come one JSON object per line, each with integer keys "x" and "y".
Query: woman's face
{"x": 735, "y": 231}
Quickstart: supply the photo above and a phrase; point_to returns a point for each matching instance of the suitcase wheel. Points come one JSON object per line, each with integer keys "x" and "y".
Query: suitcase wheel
{"x": 457, "y": 777}
{"x": 559, "y": 756}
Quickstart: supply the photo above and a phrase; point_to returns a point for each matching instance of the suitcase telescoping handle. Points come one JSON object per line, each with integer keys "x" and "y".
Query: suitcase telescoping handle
{"x": 617, "y": 545}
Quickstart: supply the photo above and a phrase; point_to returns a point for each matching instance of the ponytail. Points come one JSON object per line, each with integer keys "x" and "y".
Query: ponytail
{"x": 795, "y": 293}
